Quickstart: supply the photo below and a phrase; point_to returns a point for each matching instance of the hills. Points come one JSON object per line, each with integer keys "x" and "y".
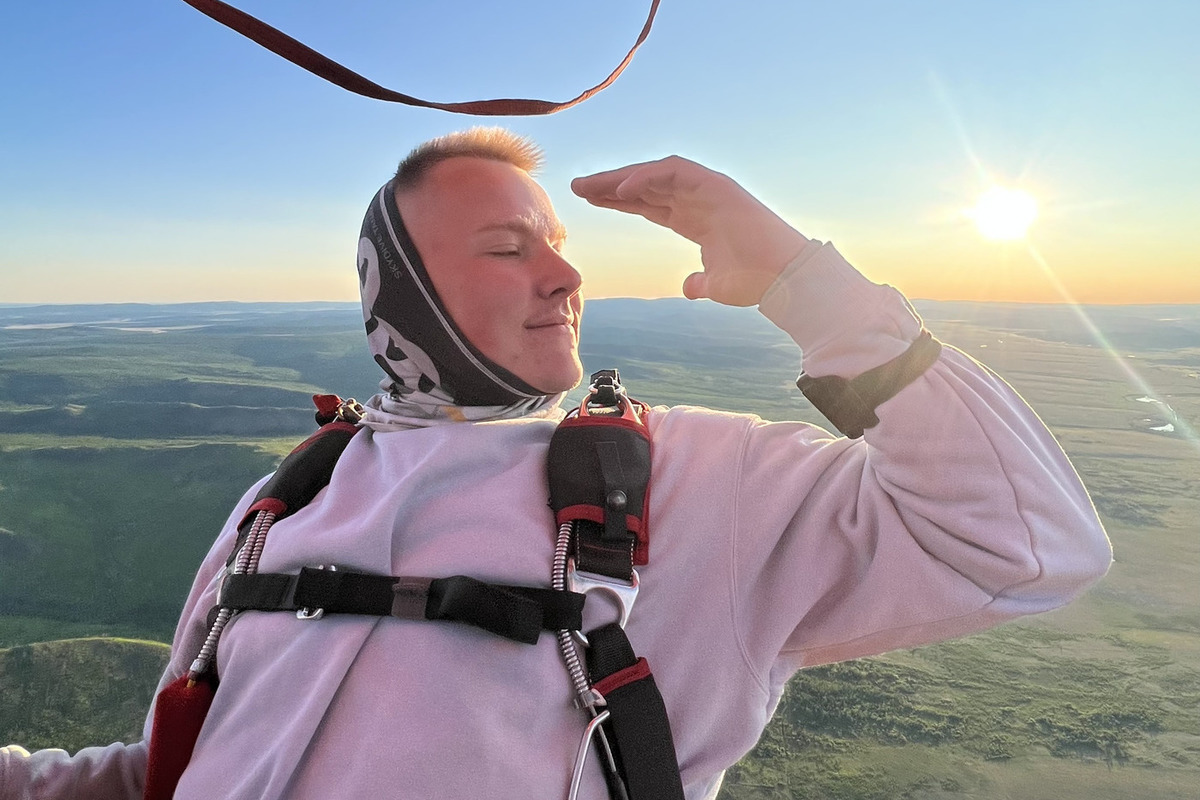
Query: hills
{"x": 76, "y": 693}
{"x": 128, "y": 432}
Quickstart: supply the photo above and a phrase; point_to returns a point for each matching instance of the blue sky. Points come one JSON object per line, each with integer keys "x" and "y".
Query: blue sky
{"x": 149, "y": 154}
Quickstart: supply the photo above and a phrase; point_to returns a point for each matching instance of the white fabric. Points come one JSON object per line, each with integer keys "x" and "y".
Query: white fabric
{"x": 774, "y": 546}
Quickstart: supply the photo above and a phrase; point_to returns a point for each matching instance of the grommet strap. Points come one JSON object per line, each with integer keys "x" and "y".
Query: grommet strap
{"x": 849, "y": 404}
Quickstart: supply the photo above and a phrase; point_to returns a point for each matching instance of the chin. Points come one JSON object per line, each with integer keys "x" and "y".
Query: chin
{"x": 563, "y": 381}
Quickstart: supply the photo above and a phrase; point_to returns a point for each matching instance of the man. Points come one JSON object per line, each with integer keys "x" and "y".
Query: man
{"x": 774, "y": 546}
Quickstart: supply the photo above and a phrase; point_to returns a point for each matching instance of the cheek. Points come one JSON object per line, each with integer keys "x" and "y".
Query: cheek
{"x": 486, "y": 313}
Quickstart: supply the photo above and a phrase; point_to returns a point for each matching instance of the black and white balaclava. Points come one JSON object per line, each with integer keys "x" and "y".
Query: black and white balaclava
{"x": 433, "y": 373}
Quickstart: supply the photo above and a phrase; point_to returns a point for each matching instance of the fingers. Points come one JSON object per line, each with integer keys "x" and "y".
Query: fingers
{"x": 695, "y": 286}
{"x": 657, "y": 182}
{"x": 659, "y": 215}
{"x": 602, "y": 186}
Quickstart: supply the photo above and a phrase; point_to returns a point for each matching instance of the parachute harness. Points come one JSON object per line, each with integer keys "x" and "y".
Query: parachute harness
{"x": 599, "y": 467}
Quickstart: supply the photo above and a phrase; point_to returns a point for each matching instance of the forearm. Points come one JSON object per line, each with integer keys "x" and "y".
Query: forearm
{"x": 115, "y": 772}
{"x": 956, "y": 512}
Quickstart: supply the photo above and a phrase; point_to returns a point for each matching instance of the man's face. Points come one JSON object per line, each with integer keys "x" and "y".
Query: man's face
{"x": 492, "y": 246}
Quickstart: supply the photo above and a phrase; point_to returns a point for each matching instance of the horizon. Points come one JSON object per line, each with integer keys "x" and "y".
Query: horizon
{"x": 355, "y": 304}
{"x": 156, "y": 156}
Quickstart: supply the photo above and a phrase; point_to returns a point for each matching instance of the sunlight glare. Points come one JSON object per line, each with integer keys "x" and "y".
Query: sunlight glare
{"x": 1004, "y": 214}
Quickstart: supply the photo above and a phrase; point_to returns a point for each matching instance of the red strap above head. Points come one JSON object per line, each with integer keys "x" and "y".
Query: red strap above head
{"x": 301, "y": 55}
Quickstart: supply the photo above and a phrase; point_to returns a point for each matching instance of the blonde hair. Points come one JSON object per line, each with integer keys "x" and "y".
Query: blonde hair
{"x": 498, "y": 144}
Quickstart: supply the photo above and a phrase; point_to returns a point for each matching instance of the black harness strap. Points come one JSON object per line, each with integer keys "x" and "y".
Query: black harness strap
{"x": 638, "y": 728}
{"x": 299, "y": 477}
{"x": 519, "y": 613}
{"x": 599, "y": 475}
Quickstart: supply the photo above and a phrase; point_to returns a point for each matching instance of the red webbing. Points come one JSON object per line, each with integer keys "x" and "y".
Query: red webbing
{"x": 179, "y": 713}
{"x": 304, "y": 56}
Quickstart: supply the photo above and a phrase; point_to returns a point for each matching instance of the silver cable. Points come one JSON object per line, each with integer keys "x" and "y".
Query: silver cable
{"x": 589, "y": 698}
{"x": 245, "y": 564}
{"x": 566, "y": 643}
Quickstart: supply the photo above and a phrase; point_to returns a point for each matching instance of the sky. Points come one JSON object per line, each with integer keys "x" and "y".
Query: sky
{"x": 148, "y": 154}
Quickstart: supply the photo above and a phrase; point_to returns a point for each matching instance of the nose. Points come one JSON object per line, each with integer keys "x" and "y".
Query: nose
{"x": 556, "y": 275}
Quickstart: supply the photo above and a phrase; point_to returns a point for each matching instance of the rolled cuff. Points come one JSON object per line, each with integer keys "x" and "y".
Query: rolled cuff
{"x": 843, "y": 323}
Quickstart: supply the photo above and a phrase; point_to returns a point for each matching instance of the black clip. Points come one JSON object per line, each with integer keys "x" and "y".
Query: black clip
{"x": 606, "y": 388}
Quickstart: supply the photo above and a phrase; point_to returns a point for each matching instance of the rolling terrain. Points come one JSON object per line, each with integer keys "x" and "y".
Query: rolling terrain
{"x": 128, "y": 432}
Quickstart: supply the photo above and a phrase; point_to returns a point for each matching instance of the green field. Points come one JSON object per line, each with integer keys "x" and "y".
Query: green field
{"x": 122, "y": 452}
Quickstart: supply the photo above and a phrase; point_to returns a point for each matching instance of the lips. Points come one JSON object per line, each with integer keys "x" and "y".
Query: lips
{"x": 550, "y": 322}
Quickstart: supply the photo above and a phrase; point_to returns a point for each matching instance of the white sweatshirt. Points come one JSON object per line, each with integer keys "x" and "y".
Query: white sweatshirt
{"x": 774, "y": 546}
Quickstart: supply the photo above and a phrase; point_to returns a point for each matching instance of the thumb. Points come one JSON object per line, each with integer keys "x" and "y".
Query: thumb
{"x": 695, "y": 286}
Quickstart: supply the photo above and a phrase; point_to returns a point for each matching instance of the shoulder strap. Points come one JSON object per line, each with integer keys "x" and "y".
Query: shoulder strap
{"x": 599, "y": 470}
{"x": 308, "y": 468}
{"x": 599, "y": 475}
{"x": 181, "y": 707}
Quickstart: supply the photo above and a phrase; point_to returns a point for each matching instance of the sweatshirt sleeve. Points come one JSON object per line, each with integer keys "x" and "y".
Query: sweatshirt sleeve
{"x": 118, "y": 771}
{"x": 956, "y": 512}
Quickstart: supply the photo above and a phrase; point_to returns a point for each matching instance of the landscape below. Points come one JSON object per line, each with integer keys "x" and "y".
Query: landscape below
{"x": 128, "y": 432}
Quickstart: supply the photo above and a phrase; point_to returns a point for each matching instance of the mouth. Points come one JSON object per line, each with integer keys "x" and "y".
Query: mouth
{"x": 552, "y": 322}
{"x": 558, "y": 328}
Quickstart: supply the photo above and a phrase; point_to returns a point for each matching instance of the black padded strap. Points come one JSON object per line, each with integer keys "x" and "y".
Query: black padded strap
{"x": 519, "y": 613}
{"x": 849, "y": 404}
{"x": 616, "y": 495}
{"x": 298, "y": 478}
{"x": 637, "y": 727}
{"x": 307, "y": 469}
{"x": 595, "y": 553}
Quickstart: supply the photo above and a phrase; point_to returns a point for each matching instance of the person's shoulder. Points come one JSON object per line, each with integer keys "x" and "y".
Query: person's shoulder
{"x": 690, "y": 422}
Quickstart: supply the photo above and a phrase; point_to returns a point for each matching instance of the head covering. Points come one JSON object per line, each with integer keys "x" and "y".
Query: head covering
{"x": 434, "y": 374}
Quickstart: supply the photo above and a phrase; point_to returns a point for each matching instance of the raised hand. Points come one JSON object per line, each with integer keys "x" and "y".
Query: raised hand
{"x": 743, "y": 244}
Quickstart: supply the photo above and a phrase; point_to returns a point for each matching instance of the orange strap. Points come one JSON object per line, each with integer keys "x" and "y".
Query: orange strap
{"x": 301, "y": 55}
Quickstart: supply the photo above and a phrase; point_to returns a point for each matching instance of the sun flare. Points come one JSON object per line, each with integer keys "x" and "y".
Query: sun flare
{"x": 1004, "y": 214}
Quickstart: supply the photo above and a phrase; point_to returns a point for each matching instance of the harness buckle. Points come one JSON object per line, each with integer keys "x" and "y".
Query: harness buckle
{"x": 606, "y": 389}
{"x": 351, "y": 411}
{"x": 624, "y": 593}
{"x": 314, "y": 613}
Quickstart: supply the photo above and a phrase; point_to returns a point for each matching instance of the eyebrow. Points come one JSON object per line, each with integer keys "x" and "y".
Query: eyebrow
{"x": 556, "y": 231}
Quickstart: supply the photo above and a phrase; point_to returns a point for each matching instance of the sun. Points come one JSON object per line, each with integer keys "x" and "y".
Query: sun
{"x": 1004, "y": 214}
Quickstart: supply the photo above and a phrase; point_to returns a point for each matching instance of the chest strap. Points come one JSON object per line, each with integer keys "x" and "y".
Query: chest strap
{"x": 519, "y": 613}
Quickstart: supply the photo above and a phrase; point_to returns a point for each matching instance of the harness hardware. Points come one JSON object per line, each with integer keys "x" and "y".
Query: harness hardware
{"x": 314, "y": 613}
{"x": 351, "y": 411}
{"x": 624, "y": 593}
{"x": 589, "y": 733}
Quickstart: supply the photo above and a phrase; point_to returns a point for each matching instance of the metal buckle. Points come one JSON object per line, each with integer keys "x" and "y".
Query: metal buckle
{"x": 622, "y": 592}
{"x": 314, "y": 613}
{"x": 605, "y": 388}
{"x": 351, "y": 411}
